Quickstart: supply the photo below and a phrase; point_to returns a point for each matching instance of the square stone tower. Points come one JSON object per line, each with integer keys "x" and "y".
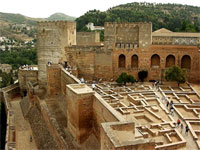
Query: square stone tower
{"x": 127, "y": 35}
{"x": 52, "y": 38}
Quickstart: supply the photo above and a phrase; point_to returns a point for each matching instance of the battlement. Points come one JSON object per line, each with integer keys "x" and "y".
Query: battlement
{"x": 138, "y": 33}
{"x": 125, "y": 24}
{"x": 43, "y": 24}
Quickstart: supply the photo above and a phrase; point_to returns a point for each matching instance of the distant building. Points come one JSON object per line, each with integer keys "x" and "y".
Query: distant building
{"x": 91, "y": 26}
{"x": 2, "y": 39}
{"x": 5, "y": 68}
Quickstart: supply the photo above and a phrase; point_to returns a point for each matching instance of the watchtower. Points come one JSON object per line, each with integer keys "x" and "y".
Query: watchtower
{"x": 52, "y": 38}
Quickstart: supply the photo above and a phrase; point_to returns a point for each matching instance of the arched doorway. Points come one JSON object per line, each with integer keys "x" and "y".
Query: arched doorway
{"x": 155, "y": 60}
{"x": 170, "y": 61}
{"x": 122, "y": 61}
{"x": 134, "y": 61}
{"x": 186, "y": 62}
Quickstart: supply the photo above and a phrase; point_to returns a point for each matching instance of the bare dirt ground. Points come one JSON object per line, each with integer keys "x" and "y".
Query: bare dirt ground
{"x": 23, "y": 129}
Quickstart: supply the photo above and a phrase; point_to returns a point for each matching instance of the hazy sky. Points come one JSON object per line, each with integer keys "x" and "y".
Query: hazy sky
{"x": 45, "y": 8}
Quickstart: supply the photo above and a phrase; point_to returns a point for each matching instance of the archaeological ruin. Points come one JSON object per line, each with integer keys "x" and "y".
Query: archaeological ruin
{"x": 51, "y": 108}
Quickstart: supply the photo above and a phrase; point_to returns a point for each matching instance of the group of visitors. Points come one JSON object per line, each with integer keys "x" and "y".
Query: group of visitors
{"x": 26, "y": 67}
{"x": 156, "y": 84}
{"x": 93, "y": 83}
{"x": 182, "y": 126}
{"x": 49, "y": 63}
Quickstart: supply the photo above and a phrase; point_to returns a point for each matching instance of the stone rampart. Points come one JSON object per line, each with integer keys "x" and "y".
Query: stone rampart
{"x": 25, "y": 104}
{"x": 7, "y": 93}
{"x": 67, "y": 78}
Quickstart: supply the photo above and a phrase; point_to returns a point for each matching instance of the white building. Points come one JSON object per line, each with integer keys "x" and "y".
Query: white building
{"x": 91, "y": 26}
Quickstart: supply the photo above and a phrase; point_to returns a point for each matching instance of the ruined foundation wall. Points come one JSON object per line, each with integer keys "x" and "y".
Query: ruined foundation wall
{"x": 102, "y": 112}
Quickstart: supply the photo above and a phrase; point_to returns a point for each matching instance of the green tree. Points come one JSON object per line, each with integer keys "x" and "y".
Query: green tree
{"x": 175, "y": 73}
{"x": 130, "y": 79}
{"x": 142, "y": 75}
{"x": 124, "y": 78}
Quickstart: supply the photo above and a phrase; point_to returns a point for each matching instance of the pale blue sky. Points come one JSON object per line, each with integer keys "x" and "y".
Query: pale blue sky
{"x": 44, "y": 8}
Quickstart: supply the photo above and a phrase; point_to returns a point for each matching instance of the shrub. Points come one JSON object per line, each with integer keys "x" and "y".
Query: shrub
{"x": 142, "y": 75}
{"x": 124, "y": 78}
{"x": 175, "y": 73}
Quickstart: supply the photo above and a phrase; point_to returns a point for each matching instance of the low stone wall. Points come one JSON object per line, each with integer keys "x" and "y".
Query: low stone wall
{"x": 102, "y": 112}
{"x": 6, "y": 94}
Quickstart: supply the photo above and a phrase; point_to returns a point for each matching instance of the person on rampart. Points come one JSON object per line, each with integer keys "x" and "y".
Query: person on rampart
{"x": 167, "y": 104}
{"x": 171, "y": 103}
{"x": 163, "y": 99}
{"x": 181, "y": 127}
{"x": 186, "y": 130}
{"x": 31, "y": 138}
{"x": 172, "y": 110}
{"x": 82, "y": 80}
{"x": 178, "y": 122}
{"x": 93, "y": 86}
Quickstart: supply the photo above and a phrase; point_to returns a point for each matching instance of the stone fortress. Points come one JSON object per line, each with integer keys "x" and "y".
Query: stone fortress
{"x": 60, "y": 112}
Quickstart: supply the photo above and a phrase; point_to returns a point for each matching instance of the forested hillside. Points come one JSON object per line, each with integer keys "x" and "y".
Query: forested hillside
{"x": 174, "y": 17}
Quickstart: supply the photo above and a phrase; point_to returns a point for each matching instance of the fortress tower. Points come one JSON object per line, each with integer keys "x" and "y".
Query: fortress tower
{"x": 127, "y": 35}
{"x": 52, "y": 38}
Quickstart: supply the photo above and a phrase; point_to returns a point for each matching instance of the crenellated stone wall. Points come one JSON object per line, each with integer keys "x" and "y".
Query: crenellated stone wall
{"x": 130, "y": 35}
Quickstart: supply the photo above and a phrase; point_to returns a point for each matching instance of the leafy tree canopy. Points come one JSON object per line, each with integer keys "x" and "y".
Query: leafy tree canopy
{"x": 18, "y": 58}
{"x": 175, "y": 73}
{"x": 124, "y": 78}
{"x": 174, "y": 17}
